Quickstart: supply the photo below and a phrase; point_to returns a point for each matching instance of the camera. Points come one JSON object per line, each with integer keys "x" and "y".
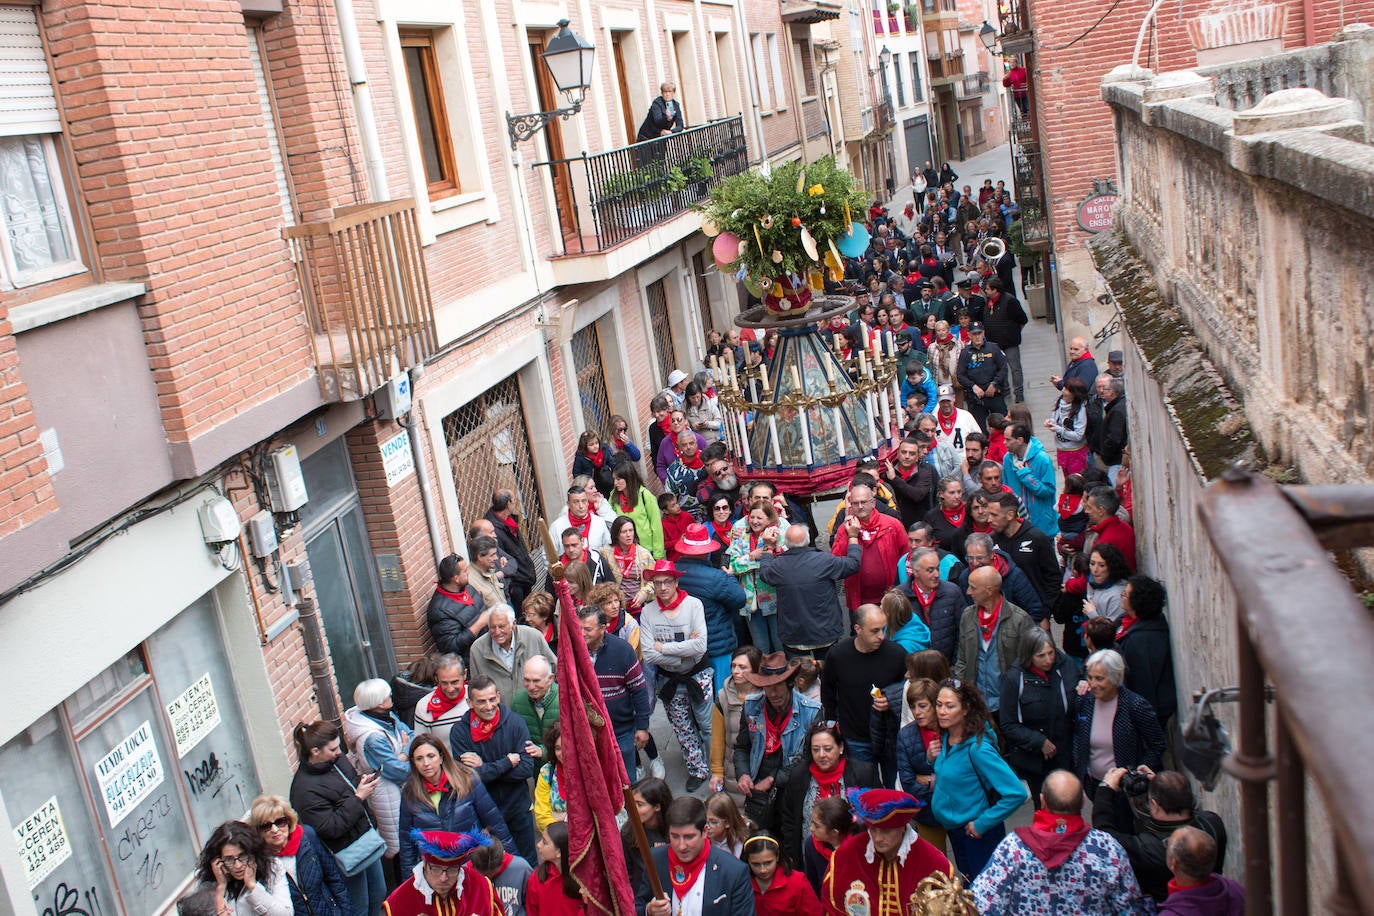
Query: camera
{"x": 1135, "y": 784}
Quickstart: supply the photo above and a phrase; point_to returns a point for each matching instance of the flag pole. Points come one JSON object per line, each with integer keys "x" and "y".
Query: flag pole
{"x": 642, "y": 841}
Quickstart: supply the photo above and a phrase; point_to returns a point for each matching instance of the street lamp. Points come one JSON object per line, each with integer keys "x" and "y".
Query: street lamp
{"x": 988, "y": 36}
{"x": 884, "y": 57}
{"x": 569, "y": 59}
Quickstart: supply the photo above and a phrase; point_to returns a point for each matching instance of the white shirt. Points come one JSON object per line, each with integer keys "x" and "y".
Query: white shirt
{"x": 691, "y": 904}
{"x": 598, "y": 535}
{"x": 963, "y": 425}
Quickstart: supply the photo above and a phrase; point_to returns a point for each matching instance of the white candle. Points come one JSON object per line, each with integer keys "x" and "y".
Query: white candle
{"x": 863, "y": 363}
{"x": 796, "y": 379}
{"x": 763, "y": 377}
{"x": 882, "y": 402}
{"x": 878, "y": 347}
{"x": 830, "y": 371}
{"x": 900, "y": 410}
{"x": 744, "y": 439}
{"x": 777, "y": 448}
{"x": 806, "y": 438}
{"x": 839, "y": 435}
{"x": 872, "y": 427}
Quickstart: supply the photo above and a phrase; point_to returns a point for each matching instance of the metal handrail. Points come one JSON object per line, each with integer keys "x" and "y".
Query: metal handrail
{"x": 621, "y": 193}
{"x": 1316, "y": 654}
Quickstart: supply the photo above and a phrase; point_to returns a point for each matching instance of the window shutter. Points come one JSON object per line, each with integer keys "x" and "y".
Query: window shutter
{"x": 27, "y": 102}
{"x": 269, "y": 123}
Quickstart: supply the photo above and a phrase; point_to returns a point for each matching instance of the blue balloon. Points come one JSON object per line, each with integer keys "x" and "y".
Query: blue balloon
{"x": 853, "y": 246}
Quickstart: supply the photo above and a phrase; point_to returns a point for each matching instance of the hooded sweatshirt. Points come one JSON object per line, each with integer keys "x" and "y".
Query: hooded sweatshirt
{"x": 1218, "y": 897}
{"x": 1032, "y": 480}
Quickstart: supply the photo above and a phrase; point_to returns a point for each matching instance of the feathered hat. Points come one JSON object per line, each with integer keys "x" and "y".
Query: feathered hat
{"x": 883, "y": 808}
{"x": 441, "y": 847}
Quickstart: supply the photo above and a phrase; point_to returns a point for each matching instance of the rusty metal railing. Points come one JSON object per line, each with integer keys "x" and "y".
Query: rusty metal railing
{"x": 1317, "y": 655}
{"x": 367, "y": 295}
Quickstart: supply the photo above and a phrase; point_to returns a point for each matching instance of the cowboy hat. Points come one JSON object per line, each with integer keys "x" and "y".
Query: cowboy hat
{"x": 696, "y": 541}
{"x": 662, "y": 568}
{"x": 774, "y": 669}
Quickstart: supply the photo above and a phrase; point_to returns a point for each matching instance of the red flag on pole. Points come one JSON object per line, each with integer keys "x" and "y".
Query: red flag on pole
{"x": 592, "y": 777}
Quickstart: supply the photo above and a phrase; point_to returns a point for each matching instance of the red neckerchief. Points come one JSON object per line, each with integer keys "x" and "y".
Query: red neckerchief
{"x": 678, "y": 598}
{"x": 928, "y": 735}
{"x": 512, "y": 524}
{"x": 905, "y": 474}
{"x": 955, "y": 518}
{"x": 825, "y": 850}
{"x": 461, "y": 597}
{"x": 684, "y": 875}
{"x": 1174, "y": 887}
{"x": 982, "y": 529}
{"x": 694, "y": 463}
{"x": 987, "y": 621}
{"x": 441, "y": 786}
{"x": 548, "y": 633}
{"x": 666, "y": 424}
{"x": 439, "y": 703}
{"x": 722, "y": 531}
{"x": 624, "y": 498}
{"x": 753, "y": 541}
{"x": 1036, "y": 672}
{"x": 565, "y": 559}
{"x": 583, "y": 525}
{"x": 598, "y": 457}
{"x": 1126, "y": 623}
{"x": 1052, "y": 838}
{"x": 827, "y": 784}
{"x": 1069, "y": 503}
{"x": 923, "y": 601}
{"x": 1057, "y": 823}
{"x": 1087, "y": 354}
{"x": 927, "y": 338}
{"x": 293, "y": 842}
{"x": 482, "y": 731}
{"x": 626, "y": 563}
{"x": 772, "y": 731}
{"x": 947, "y": 428}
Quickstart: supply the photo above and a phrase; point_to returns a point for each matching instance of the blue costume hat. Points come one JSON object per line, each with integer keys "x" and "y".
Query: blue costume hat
{"x": 444, "y": 848}
{"x": 883, "y": 808}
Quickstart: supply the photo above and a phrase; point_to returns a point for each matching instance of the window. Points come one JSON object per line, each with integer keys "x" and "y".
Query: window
{"x": 915, "y": 61}
{"x": 269, "y": 121}
{"x": 806, "y": 61}
{"x": 775, "y": 62}
{"x": 431, "y": 118}
{"x": 897, "y": 78}
{"x": 38, "y": 242}
{"x": 756, "y": 43}
{"x": 664, "y": 345}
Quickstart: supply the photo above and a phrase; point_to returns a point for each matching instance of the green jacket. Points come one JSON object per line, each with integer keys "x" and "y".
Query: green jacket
{"x": 535, "y": 720}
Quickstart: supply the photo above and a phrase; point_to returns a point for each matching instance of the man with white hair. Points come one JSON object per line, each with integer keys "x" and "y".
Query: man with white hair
{"x": 1081, "y": 365}
{"x": 440, "y": 709}
{"x": 502, "y": 651}
{"x": 537, "y": 701}
{"x": 810, "y": 619}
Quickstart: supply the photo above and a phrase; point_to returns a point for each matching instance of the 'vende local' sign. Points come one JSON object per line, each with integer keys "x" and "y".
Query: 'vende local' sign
{"x": 42, "y": 842}
{"x": 397, "y": 458}
{"x": 1095, "y": 213}
{"x": 128, "y": 773}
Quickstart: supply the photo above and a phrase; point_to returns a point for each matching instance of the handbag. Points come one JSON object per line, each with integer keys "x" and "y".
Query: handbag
{"x": 363, "y": 851}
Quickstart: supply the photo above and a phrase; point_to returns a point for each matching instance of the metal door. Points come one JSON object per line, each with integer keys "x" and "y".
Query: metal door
{"x": 918, "y": 150}
{"x": 662, "y": 329}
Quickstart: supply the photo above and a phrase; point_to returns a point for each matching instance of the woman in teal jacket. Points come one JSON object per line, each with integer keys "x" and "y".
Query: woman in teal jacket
{"x": 975, "y": 789}
{"x": 633, "y": 499}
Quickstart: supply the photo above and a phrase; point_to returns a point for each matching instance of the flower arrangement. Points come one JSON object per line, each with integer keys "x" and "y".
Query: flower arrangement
{"x": 781, "y": 232}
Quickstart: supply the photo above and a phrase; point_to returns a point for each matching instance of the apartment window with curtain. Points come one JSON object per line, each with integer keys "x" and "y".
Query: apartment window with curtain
{"x": 897, "y": 79}
{"x": 915, "y": 60}
{"x": 38, "y": 238}
{"x": 775, "y": 65}
{"x": 760, "y": 54}
{"x": 431, "y": 115}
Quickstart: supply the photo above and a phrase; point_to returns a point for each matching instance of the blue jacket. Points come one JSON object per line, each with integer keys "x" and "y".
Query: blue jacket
{"x": 728, "y": 888}
{"x": 1084, "y": 369}
{"x": 1136, "y": 736}
{"x": 507, "y": 785}
{"x": 318, "y": 879}
{"x": 475, "y": 811}
{"x": 912, "y": 762}
{"x": 967, "y": 775}
{"x": 1034, "y": 484}
{"x": 804, "y": 712}
{"x": 721, "y": 597}
{"x": 927, "y": 385}
{"x": 914, "y": 634}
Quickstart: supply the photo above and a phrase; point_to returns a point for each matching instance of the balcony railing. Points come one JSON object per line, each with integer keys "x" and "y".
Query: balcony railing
{"x": 366, "y": 294}
{"x": 946, "y": 67}
{"x": 1022, "y": 129}
{"x": 973, "y": 84}
{"x": 611, "y": 197}
{"x": 883, "y": 121}
{"x": 1028, "y": 178}
{"x": 1013, "y": 24}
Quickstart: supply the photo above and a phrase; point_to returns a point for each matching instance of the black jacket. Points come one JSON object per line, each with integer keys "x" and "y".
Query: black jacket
{"x": 983, "y": 366}
{"x": 914, "y": 494}
{"x": 1035, "y": 708}
{"x": 1146, "y": 846}
{"x": 507, "y": 785}
{"x": 1136, "y": 736}
{"x": 1150, "y": 665}
{"x": 1033, "y": 551}
{"x": 976, "y": 307}
{"x": 658, "y": 120}
{"x": 809, "y": 611}
{"x": 449, "y": 621}
{"x": 945, "y": 612}
{"x": 1003, "y": 321}
{"x": 325, "y": 802}
{"x": 522, "y": 575}
{"x": 1114, "y": 432}
{"x": 858, "y": 774}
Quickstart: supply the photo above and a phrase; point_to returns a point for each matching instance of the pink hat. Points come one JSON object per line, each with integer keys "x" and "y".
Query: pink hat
{"x": 663, "y": 568}
{"x": 696, "y": 541}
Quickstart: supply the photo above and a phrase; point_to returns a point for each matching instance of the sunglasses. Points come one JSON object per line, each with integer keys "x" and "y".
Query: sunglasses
{"x": 281, "y": 823}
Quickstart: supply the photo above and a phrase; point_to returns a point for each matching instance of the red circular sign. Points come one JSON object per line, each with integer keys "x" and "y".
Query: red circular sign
{"x": 1095, "y": 213}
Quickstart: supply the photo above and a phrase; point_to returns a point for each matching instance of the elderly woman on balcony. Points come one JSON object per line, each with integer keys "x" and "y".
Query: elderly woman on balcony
{"x": 664, "y": 117}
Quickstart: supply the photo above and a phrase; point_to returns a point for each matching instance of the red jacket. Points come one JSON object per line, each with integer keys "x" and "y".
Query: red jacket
{"x": 884, "y": 543}
{"x": 789, "y": 895}
{"x": 673, "y": 528}
{"x": 1112, "y": 530}
{"x": 546, "y": 898}
{"x": 476, "y": 898}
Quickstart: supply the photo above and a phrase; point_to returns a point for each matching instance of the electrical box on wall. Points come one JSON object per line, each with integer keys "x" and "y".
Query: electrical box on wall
{"x": 219, "y": 523}
{"x": 262, "y": 534}
{"x": 285, "y": 482}
{"x": 393, "y": 398}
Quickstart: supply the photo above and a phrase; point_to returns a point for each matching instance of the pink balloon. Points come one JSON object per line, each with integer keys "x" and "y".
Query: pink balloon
{"x": 725, "y": 249}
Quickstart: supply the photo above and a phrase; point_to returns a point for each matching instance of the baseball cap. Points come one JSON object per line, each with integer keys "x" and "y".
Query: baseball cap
{"x": 976, "y": 328}
{"x": 945, "y": 393}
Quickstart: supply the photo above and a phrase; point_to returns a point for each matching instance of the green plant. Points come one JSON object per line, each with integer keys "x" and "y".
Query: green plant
{"x": 639, "y": 184}
{"x": 698, "y": 167}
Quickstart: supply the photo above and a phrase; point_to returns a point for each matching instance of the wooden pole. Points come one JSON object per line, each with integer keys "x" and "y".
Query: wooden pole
{"x": 642, "y": 841}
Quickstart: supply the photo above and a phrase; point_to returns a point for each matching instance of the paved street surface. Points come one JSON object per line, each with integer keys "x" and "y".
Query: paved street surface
{"x": 1041, "y": 355}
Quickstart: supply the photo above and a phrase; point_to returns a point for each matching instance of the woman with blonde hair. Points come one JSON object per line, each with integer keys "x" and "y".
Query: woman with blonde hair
{"x": 441, "y": 794}
{"x": 317, "y": 886}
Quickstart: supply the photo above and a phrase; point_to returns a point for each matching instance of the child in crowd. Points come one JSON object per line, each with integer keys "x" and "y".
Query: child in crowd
{"x": 674, "y": 520}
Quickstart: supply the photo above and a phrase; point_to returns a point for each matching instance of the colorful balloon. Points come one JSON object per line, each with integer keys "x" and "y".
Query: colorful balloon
{"x": 855, "y": 242}
{"x": 725, "y": 249}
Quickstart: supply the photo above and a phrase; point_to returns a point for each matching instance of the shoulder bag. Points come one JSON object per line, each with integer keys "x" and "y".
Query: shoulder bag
{"x": 366, "y": 849}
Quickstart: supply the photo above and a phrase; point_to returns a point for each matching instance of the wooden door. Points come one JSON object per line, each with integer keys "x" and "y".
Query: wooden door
{"x": 627, "y": 113}
{"x": 548, "y": 98}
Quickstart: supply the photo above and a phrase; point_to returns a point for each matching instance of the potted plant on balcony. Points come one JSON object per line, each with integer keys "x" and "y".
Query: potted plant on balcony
{"x": 626, "y": 198}
{"x": 692, "y": 174}
{"x": 783, "y": 233}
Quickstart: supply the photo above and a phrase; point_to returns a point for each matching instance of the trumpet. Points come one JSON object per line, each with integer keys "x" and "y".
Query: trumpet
{"x": 992, "y": 250}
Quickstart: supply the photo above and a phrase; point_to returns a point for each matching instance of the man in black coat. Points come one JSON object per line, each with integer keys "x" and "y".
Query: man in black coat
{"x": 456, "y": 615}
{"x": 495, "y": 743}
{"x": 1115, "y": 428}
{"x": 810, "y": 618}
{"x": 1029, "y": 548}
{"x": 980, "y": 550}
{"x": 966, "y": 300}
{"x": 1004, "y": 318}
{"x": 1144, "y": 644}
{"x": 912, "y": 480}
{"x": 720, "y": 886}
{"x": 520, "y": 580}
{"x": 939, "y": 602}
{"x": 982, "y": 372}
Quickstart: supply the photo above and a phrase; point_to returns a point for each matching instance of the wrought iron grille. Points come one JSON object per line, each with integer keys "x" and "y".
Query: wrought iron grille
{"x": 591, "y": 378}
{"x": 703, "y": 289}
{"x": 662, "y": 328}
{"x": 488, "y": 445}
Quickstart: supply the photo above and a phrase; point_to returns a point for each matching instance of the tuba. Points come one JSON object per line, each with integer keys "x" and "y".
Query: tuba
{"x": 992, "y": 250}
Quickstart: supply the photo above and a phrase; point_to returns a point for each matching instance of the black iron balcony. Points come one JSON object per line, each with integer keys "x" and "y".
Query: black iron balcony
{"x": 1028, "y": 178}
{"x": 611, "y": 197}
{"x": 1014, "y": 27}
